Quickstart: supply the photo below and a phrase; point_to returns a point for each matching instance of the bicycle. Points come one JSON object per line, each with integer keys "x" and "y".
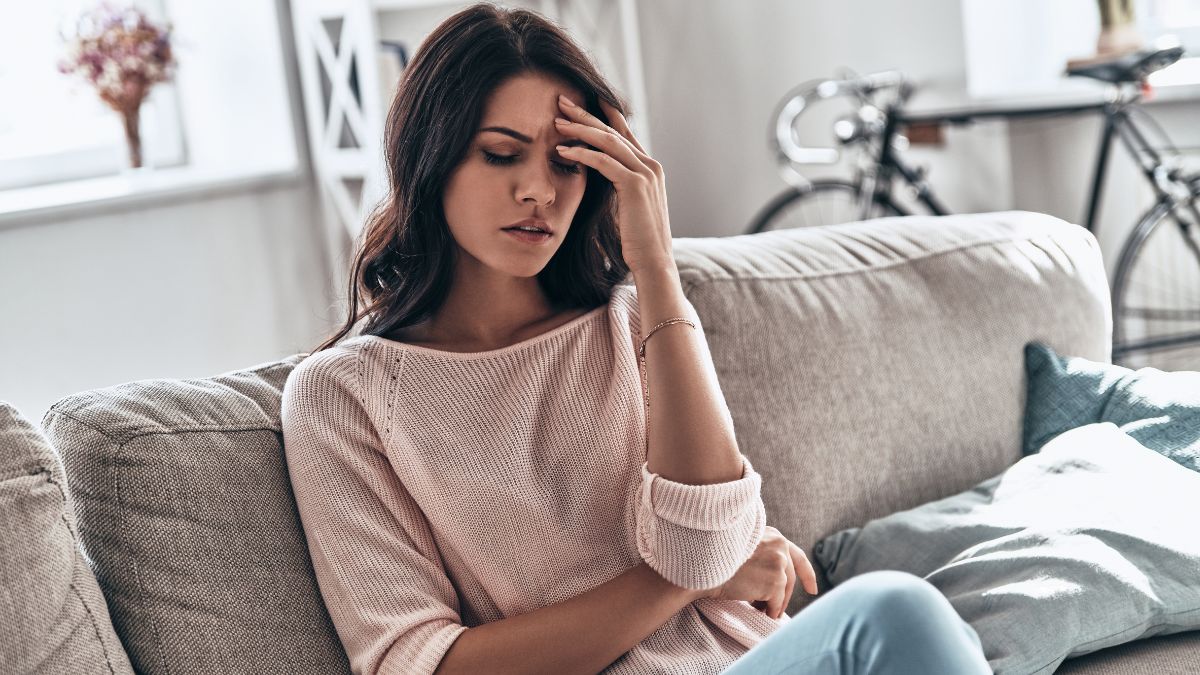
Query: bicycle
{"x": 1156, "y": 286}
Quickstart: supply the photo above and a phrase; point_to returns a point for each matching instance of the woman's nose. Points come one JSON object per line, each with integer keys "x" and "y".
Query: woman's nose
{"x": 537, "y": 186}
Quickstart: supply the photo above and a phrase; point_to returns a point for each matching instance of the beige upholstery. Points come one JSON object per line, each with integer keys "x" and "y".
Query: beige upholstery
{"x": 53, "y": 619}
{"x": 869, "y": 367}
{"x": 876, "y": 366}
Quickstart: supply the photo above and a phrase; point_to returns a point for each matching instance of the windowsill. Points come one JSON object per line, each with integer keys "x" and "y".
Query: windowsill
{"x": 20, "y": 206}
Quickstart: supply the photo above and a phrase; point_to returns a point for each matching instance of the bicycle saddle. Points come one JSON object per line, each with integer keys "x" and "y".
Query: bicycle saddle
{"x": 1132, "y": 67}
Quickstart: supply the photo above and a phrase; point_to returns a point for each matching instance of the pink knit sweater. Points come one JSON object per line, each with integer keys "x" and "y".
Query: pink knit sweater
{"x": 442, "y": 490}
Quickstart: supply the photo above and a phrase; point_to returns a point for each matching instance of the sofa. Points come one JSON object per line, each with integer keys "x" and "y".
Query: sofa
{"x": 869, "y": 367}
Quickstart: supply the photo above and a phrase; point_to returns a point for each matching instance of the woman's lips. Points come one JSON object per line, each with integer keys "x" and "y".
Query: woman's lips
{"x": 529, "y": 237}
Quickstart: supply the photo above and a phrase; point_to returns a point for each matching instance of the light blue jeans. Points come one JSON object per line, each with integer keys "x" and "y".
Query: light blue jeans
{"x": 880, "y": 622}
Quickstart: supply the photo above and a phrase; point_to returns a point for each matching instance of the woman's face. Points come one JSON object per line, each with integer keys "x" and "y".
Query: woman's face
{"x": 512, "y": 172}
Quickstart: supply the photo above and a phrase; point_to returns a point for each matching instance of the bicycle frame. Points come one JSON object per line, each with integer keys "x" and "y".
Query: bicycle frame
{"x": 1117, "y": 122}
{"x": 875, "y": 130}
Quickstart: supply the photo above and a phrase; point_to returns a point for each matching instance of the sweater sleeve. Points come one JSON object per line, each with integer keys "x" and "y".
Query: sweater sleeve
{"x": 697, "y": 536}
{"x": 373, "y": 553}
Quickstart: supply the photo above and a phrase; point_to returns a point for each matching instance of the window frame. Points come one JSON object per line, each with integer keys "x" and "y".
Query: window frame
{"x": 164, "y": 142}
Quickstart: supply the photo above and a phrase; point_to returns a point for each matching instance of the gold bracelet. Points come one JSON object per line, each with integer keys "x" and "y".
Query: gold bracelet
{"x": 642, "y": 349}
{"x": 642, "y": 355}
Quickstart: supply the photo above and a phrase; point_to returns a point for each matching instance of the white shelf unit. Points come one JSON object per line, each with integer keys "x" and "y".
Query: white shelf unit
{"x": 345, "y": 132}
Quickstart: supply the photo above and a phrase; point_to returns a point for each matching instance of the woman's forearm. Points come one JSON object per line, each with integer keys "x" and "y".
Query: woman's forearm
{"x": 690, "y": 434}
{"x": 583, "y": 634}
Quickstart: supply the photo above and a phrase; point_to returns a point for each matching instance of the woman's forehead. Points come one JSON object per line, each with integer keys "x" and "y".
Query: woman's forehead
{"x": 527, "y": 99}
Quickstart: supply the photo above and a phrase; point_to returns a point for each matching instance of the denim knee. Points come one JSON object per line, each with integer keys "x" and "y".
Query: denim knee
{"x": 886, "y": 621}
{"x": 900, "y": 618}
{"x": 895, "y": 597}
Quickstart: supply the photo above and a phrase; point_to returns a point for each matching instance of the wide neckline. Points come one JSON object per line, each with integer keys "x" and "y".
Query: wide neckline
{"x": 500, "y": 351}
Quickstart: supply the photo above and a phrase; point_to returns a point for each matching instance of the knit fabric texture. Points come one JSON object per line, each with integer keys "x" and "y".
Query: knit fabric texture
{"x": 442, "y": 490}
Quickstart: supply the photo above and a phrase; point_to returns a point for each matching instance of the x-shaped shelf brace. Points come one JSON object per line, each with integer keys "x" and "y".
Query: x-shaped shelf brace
{"x": 335, "y": 41}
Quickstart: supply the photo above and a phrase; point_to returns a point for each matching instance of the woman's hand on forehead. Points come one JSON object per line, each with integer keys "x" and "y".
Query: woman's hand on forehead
{"x": 637, "y": 178}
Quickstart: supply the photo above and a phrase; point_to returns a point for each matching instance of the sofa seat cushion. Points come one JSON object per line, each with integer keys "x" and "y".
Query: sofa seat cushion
{"x": 53, "y": 613}
{"x": 187, "y": 513}
{"x": 1175, "y": 654}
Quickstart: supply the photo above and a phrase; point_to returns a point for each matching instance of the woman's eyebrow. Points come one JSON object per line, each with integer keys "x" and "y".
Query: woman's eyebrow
{"x": 525, "y": 139}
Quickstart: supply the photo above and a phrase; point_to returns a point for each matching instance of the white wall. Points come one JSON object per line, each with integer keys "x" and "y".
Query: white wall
{"x": 176, "y": 290}
{"x": 716, "y": 69}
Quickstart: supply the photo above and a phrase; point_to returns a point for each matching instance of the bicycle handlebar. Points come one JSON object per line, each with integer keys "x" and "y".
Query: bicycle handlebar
{"x": 797, "y": 100}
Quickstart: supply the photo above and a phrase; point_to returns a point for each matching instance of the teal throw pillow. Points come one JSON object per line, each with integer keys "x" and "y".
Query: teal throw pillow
{"x": 1160, "y": 409}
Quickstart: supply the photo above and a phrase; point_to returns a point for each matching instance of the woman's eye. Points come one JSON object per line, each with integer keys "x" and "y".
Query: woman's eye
{"x": 504, "y": 160}
{"x": 499, "y": 159}
{"x": 569, "y": 169}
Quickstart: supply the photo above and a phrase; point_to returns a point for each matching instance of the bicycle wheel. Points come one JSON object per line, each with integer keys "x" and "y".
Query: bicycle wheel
{"x": 1156, "y": 290}
{"x": 825, "y": 202}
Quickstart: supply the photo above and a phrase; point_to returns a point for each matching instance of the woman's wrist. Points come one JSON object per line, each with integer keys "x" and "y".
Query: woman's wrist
{"x": 660, "y": 296}
{"x": 686, "y": 594}
{"x": 657, "y": 284}
{"x": 657, "y": 272}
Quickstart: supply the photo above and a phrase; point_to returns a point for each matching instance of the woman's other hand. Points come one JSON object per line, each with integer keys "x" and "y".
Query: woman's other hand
{"x": 769, "y": 576}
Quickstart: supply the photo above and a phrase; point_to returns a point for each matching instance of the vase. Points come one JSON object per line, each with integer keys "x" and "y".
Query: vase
{"x": 130, "y": 120}
{"x": 1118, "y": 40}
{"x": 1118, "y": 28}
{"x": 138, "y": 124}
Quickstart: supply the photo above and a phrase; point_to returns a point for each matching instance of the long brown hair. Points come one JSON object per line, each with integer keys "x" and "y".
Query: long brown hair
{"x": 403, "y": 265}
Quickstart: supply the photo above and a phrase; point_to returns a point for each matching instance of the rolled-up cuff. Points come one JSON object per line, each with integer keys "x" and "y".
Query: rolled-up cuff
{"x": 701, "y": 507}
{"x": 697, "y": 536}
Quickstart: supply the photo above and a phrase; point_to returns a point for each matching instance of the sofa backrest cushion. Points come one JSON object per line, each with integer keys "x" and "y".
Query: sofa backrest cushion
{"x": 868, "y": 367}
{"x": 871, "y": 367}
{"x": 52, "y": 611}
{"x": 187, "y": 512}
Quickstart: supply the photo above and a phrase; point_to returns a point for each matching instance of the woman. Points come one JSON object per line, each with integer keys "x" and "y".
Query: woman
{"x": 493, "y": 477}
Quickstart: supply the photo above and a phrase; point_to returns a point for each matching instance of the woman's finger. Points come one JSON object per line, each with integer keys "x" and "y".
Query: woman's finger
{"x": 606, "y": 141}
{"x": 617, "y": 121}
{"x": 804, "y": 569}
{"x": 789, "y": 588}
{"x": 592, "y": 129}
{"x": 580, "y": 114}
{"x": 776, "y": 603}
{"x": 613, "y": 170}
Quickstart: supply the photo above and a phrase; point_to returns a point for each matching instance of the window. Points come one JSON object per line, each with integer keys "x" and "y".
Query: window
{"x": 1020, "y": 48}
{"x": 1178, "y": 17}
{"x": 53, "y": 127}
